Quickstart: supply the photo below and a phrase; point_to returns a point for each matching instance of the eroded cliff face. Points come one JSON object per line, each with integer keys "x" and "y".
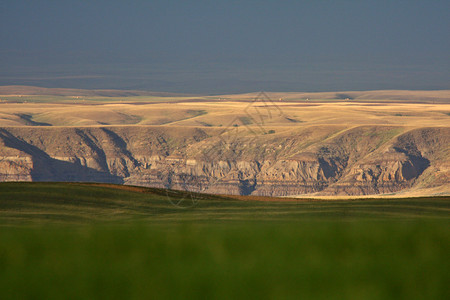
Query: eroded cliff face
{"x": 329, "y": 161}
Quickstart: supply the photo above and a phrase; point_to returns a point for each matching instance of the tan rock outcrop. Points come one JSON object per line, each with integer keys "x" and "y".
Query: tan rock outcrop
{"x": 356, "y": 161}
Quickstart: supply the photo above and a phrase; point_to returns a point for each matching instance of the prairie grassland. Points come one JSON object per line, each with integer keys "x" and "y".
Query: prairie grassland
{"x": 377, "y": 95}
{"x": 225, "y": 113}
{"x": 85, "y": 100}
{"x": 33, "y": 106}
{"x": 105, "y": 241}
{"x": 78, "y": 203}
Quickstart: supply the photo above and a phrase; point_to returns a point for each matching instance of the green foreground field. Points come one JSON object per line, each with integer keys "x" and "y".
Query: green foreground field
{"x": 72, "y": 241}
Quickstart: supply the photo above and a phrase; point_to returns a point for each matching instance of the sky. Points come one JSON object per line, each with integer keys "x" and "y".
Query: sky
{"x": 213, "y": 47}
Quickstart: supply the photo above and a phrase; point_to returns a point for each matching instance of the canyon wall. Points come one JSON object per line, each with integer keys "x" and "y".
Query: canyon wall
{"x": 332, "y": 160}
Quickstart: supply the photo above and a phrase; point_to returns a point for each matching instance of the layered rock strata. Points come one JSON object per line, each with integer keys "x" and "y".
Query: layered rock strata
{"x": 329, "y": 161}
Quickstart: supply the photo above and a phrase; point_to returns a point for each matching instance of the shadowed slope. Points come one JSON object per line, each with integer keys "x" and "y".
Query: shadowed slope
{"x": 30, "y": 203}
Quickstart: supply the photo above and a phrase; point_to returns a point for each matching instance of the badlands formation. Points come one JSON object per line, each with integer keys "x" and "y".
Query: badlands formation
{"x": 268, "y": 144}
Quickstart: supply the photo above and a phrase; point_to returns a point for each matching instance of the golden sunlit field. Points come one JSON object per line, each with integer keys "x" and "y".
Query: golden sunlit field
{"x": 288, "y": 110}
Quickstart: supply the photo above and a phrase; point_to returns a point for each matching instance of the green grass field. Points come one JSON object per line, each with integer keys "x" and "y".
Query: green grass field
{"x": 84, "y": 241}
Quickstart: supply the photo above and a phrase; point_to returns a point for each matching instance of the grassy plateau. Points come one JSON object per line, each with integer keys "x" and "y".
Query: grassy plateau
{"x": 84, "y": 241}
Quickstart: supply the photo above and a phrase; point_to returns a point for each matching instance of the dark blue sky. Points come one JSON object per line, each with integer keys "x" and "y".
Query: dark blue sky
{"x": 226, "y": 46}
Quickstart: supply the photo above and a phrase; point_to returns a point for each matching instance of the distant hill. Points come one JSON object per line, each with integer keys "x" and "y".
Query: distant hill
{"x": 34, "y": 90}
{"x": 409, "y": 95}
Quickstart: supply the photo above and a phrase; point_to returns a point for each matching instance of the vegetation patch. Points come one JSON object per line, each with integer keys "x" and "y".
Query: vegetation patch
{"x": 246, "y": 120}
{"x": 204, "y": 124}
{"x": 74, "y": 240}
{"x": 195, "y": 113}
{"x": 293, "y": 120}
